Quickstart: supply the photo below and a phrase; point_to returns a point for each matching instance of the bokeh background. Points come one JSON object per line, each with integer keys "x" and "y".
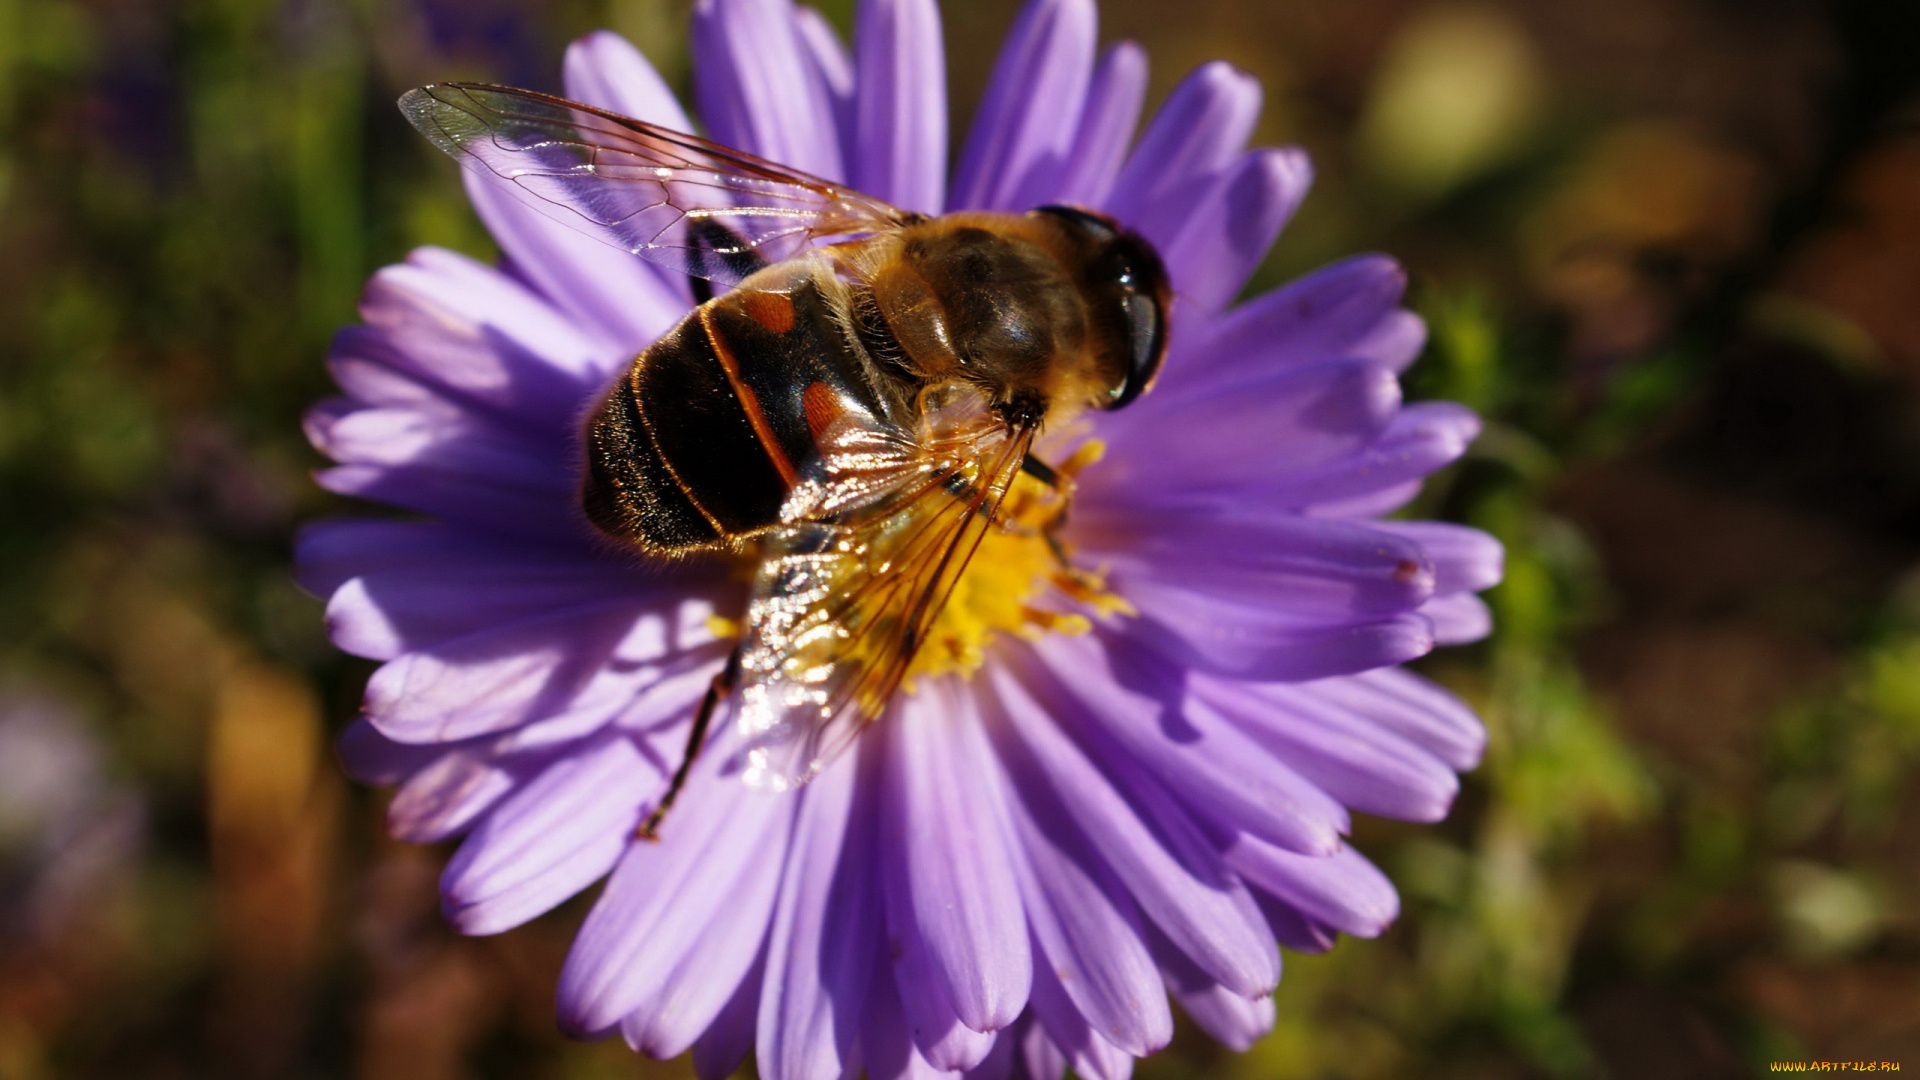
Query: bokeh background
{"x": 1670, "y": 248}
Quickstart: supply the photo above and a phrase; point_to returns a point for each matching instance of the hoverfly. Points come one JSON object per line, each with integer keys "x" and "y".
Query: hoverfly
{"x": 853, "y": 409}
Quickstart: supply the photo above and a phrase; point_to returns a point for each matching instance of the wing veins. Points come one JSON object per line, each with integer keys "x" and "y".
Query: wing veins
{"x": 580, "y": 166}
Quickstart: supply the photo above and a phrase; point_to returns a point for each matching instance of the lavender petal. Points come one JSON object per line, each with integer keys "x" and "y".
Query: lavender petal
{"x": 1218, "y": 246}
{"x": 951, "y": 878}
{"x": 822, "y": 942}
{"x": 372, "y": 758}
{"x": 1464, "y": 559}
{"x": 552, "y": 838}
{"x": 900, "y": 104}
{"x": 754, "y": 81}
{"x": 607, "y": 291}
{"x": 1047, "y": 58}
{"x": 1039, "y": 1059}
{"x": 721, "y": 1051}
{"x": 1333, "y": 312}
{"x": 1107, "y": 122}
{"x": 1171, "y": 870}
{"x": 1408, "y": 706}
{"x": 1304, "y": 571}
{"x": 887, "y": 1051}
{"x": 1213, "y": 766}
{"x": 832, "y": 71}
{"x": 1295, "y": 422}
{"x": 1421, "y": 439}
{"x": 1365, "y": 767}
{"x": 1090, "y": 1055}
{"x": 446, "y": 796}
{"x": 1202, "y": 125}
{"x": 1086, "y": 927}
{"x": 1244, "y": 641}
{"x": 1343, "y": 890}
{"x": 722, "y": 846}
{"x": 1458, "y": 619}
{"x": 500, "y": 678}
{"x": 1237, "y": 1021}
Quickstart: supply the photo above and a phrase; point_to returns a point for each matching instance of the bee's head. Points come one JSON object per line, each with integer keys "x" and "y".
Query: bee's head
{"x": 1127, "y": 293}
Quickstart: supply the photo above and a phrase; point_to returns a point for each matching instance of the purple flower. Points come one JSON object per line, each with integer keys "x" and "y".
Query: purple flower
{"x": 1086, "y": 807}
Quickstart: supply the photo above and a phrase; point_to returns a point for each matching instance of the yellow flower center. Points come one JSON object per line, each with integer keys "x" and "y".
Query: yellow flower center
{"x": 1020, "y": 566}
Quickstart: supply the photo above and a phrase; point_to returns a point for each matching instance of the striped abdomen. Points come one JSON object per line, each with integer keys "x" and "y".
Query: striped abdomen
{"x": 708, "y": 430}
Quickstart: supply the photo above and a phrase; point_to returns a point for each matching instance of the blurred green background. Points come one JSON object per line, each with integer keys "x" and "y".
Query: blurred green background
{"x": 1670, "y": 248}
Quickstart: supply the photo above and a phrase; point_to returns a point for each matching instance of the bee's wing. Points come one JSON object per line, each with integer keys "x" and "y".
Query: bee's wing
{"x": 844, "y": 598}
{"x": 663, "y": 195}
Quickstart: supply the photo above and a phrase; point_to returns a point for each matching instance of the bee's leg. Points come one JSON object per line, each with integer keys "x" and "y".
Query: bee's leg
{"x": 1040, "y": 471}
{"x": 717, "y": 249}
{"x": 717, "y": 692}
{"x": 1051, "y": 477}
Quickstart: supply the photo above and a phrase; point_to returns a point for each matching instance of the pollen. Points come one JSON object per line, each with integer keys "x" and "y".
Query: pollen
{"x": 1017, "y": 579}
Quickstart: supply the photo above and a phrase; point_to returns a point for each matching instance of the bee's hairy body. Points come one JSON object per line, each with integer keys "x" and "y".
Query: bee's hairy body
{"x": 700, "y": 442}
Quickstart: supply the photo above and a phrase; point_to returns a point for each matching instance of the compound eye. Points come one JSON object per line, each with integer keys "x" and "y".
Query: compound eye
{"x": 1098, "y": 227}
{"x": 1139, "y": 283}
{"x": 1147, "y": 344}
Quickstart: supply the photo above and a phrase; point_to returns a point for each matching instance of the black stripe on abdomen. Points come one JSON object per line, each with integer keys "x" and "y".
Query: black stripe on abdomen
{"x": 703, "y": 435}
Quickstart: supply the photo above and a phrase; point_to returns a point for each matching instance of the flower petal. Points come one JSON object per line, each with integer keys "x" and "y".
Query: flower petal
{"x": 1245, "y": 641}
{"x": 1039, "y": 1059}
{"x": 1333, "y": 312}
{"x": 1362, "y": 765}
{"x": 519, "y": 672}
{"x": 1090, "y": 1055}
{"x": 832, "y": 71}
{"x": 551, "y": 839}
{"x": 1202, "y": 125}
{"x": 1398, "y": 701}
{"x": 722, "y": 846}
{"x": 693, "y": 994}
{"x": 1343, "y": 890}
{"x": 1458, "y": 619}
{"x": 444, "y": 797}
{"x": 605, "y": 70}
{"x": 951, "y": 877}
{"x": 723, "y": 1049}
{"x": 1236, "y": 1021}
{"x": 1303, "y": 571}
{"x": 1292, "y": 423}
{"x": 1220, "y": 243}
{"x": 372, "y": 758}
{"x": 383, "y": 613}
{"x": 900, "y": 105}
{"x": 1171, "y": 870}
{"x": 947, "y": 1044}
{"x": 1087, "y": 929}
{"x": 1421, "y": 439}
{"x": 1294, "y": 930}
{"x": 475, "y": 335}
{"x": 754, "y": 80}
{"x": 822, "y": 943}
{"x": 887, "y": 1051}
{"x": 610, "y": 293}
{"x": 1114, "y": 98}
{"x": 1464, "y": 559}
{"x": 1015, "y": 145}
{"x": 1214, "y": 767}
{"x": 330, "y": 552}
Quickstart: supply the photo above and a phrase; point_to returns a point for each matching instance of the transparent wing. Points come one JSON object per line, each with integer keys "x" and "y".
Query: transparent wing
{"x": 844, "y": 598}
{"x": 663, "y": 195}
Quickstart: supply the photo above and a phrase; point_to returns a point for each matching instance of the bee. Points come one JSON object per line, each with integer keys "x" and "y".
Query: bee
{"x": 853, "y": 407}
